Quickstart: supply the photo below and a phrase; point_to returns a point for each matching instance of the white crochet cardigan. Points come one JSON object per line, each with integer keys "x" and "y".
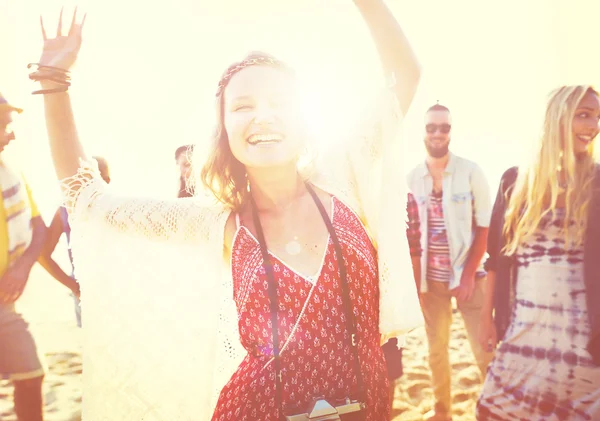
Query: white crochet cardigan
{"x": 160, "y": 324}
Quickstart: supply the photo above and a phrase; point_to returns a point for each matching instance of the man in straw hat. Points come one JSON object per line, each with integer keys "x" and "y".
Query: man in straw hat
{"x": 22, "y": 235}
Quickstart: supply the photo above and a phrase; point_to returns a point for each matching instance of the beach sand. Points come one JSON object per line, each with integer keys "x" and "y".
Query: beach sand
{"x": 48, "y": 307}
{"x": 414, "y": 396}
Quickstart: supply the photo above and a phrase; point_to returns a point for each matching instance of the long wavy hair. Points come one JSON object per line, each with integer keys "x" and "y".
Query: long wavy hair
{"x": 538, "y": 184}
{"x": 223, "y": 174}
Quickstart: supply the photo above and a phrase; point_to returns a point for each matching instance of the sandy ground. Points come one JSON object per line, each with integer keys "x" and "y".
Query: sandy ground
{"x": 414, "y": 396}
{"x": 49, "y": 308}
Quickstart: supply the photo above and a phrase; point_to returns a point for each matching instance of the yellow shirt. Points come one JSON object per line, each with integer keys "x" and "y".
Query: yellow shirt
{"x": 4, "y": 228}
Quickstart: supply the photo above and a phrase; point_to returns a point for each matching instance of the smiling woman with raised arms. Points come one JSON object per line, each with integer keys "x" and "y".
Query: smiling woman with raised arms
{"x": 278, "y": 295}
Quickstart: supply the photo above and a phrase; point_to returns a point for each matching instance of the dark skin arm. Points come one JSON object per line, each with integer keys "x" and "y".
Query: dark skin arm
{"x": 13, "y": 281}
{"x": 54, "y": 233}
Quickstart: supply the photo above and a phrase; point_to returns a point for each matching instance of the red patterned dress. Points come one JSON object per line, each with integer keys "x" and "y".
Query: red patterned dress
{"x": 316, "y": 358}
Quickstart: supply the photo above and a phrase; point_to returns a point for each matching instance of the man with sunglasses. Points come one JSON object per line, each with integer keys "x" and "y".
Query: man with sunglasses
{"x": 449, "y": 210}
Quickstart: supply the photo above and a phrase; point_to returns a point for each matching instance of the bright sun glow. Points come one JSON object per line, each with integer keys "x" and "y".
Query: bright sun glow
{"x": 146, "y": 76}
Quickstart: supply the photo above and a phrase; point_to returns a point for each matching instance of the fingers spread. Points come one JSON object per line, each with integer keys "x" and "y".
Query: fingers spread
{"x": 72, "y": 27}
{"x": 59, "y": 29}
{"x": 43, "y": 29}
{"x": 76, "y": 28}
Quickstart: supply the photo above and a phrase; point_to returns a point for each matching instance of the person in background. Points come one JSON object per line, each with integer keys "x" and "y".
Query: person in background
{"x": 543, "y": 295}
{"x": 22, "y": 235}
{"x": 183, "y": 160}
{"x": 58, "y": 227}
{"x": 448, "y": 215}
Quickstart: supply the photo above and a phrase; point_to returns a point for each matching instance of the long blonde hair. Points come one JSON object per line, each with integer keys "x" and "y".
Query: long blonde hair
{"x": 538, "y": 186}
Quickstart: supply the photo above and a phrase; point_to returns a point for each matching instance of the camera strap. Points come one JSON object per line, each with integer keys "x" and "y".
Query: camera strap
{"x": 274, "y": 304}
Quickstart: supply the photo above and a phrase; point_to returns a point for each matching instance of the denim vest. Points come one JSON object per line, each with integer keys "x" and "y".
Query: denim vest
{"x": 466, "y": 204}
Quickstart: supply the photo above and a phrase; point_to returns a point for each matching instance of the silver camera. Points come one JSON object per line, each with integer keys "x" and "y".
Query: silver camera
{"x": 321, "y": 410}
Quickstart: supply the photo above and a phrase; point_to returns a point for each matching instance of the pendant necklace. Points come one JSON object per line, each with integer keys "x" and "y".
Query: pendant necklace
{"x": 293, "y": 247}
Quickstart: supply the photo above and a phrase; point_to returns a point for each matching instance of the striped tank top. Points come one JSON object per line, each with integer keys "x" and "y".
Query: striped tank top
{"x": 439, "y": 267}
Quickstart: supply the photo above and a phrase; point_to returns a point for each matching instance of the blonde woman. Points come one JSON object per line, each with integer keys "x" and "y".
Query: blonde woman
{"x": 544, "y": 274}
{"x": 254, "y": 307}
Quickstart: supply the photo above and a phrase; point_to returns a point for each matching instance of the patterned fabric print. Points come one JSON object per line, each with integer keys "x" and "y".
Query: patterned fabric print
{"x": 413, "y": 226}
{"x": 439, "y": 267}
{"x": 318, "y": 360}
{"x": 542, "y": 370}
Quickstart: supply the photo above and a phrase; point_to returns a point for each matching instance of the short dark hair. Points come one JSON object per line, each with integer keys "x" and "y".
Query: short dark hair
{"x": 183, "y": 149}
{"x": 438, "y": 107}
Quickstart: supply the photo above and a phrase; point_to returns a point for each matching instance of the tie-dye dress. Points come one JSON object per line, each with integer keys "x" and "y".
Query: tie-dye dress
{"x": 542, "y": 370}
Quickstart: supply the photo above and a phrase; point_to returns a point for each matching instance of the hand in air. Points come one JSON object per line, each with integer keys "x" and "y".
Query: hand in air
{"x": 62, "y": 50}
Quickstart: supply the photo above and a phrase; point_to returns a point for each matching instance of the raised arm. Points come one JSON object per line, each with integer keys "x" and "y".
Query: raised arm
{"x": 87, "y": 195}
{"x": 58, "y": 57}
{"x": 375, "y": 135}
{"x": 395, "y": 52}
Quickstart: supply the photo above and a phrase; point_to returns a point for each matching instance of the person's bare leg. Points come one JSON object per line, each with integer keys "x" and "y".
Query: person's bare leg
{"x": 29, "y": 403}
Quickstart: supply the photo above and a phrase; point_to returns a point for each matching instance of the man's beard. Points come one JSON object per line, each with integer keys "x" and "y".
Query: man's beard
{"x": 437, "y": 152}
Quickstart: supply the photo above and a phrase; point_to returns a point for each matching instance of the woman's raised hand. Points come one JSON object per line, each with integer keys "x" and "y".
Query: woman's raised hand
{"x": 62, "y": 50}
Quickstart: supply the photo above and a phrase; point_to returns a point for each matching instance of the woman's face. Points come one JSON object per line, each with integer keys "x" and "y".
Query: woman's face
{"x": 586, "y": 122}
{"x": 262, "y": 119}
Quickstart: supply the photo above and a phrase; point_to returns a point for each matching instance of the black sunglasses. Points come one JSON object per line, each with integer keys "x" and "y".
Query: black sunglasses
{"x": 443, "y": 128}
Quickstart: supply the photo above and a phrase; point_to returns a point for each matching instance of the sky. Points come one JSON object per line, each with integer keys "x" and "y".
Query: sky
{"x": 145, "y": 79}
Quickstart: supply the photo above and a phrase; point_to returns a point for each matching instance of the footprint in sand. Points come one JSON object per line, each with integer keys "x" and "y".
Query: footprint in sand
{"x": 76, "y": 370}
{"x": 50, "y": 410}
{"x": 469, "y": 378}
{"x": 416, "y": 389}
{"x": 409, "y": 415}
{"x": 56, "y": 383}
{"x": 417, "y": 376}
{"x": 50, "y": 398}
{"x": 461, "y": 366}
{"x": 75, "y": 417}
{"x": 461, "y": 397}
{"x": 63, "y": 356}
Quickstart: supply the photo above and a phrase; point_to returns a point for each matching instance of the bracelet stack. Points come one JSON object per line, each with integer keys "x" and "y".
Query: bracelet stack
{"x": 57, "y": 75}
